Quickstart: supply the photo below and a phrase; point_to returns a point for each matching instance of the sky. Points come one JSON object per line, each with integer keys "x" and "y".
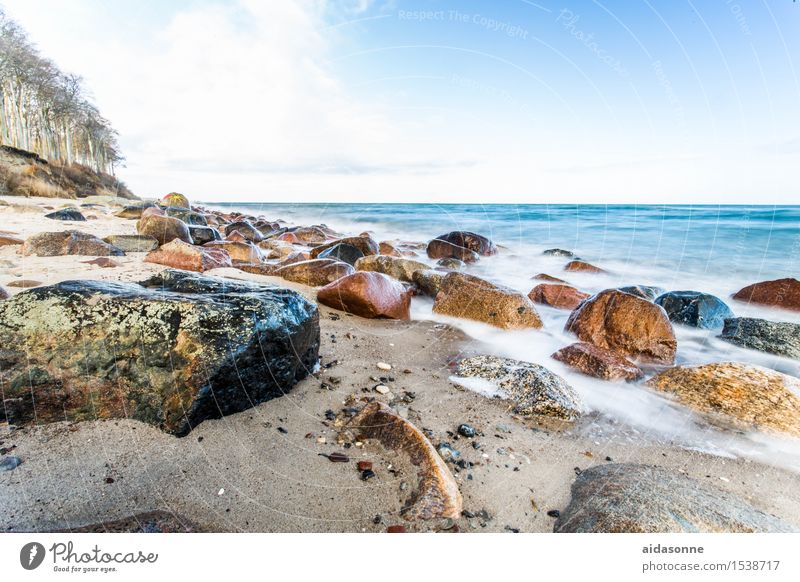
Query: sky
{"x": 679, "y": 101}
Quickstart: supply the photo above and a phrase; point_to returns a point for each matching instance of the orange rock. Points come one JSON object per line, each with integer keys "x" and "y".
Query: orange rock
{"x": 315, "y": 272}
{"x": 441, "y": 249}
{"x": 581, "y": 266}
{"x": 436, "y": 494}
{"x": 546, "y": 277}
{"x": 181, "y": 255}
{"x": 368, "y": 294}
{"x": 625, "y": 324}
{"x": 387, "y": 248}
{"x": 240, "y": 252}
{"x": 598, "y": 362}
{"x": 782, "y": 293}
{"x": 7, "y": 239}
{"x": 289, "y": 237}
{"x": 163, "y": 228}
{"x": 559, "y": 296}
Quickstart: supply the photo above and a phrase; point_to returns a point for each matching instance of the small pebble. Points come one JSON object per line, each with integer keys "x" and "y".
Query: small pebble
{"x": 383, "y": 366}
{"x": 466, "y": 430}
{"x": 396, "y": 529}
{"x": 554, "y": 513}
{"x": 367, "y": 475}
{"x": 364, "y": 465}
{"x": 337, "y": 457}
{"x": 10, "y": 463}
{"x": 381, "y": 389}
{"x": 282, "y": 430}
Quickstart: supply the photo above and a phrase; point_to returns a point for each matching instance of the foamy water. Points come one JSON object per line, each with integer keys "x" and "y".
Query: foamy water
{"x": 716, "y": 250}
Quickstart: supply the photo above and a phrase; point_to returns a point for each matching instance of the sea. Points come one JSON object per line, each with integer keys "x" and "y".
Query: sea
{"x": 714, "y": 249}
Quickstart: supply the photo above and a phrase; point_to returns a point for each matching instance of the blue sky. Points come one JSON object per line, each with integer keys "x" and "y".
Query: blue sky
{"x": 511, "y": 101}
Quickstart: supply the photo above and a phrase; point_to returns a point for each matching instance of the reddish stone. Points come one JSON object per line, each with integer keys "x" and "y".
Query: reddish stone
{"x": 315, "y": 272}
{"x": 583, "y": 267}
{"x": 782, "y": 293}
{"x": 546, "y": 277}
{"x": 368, "y": 294}
{"x": 240, "y": 252}
{"x": 366, "y": 244}
{"x": 441, "y": 249}
{"x": 364, "y": 465}
{"x": 469, "y": 240}
{"x": 289, "y": 237}
{"x": 163, "y": 228}
{"x": 387, "y": 248}
{"x": 396, "y": 529}
{"x": 559, "y": 296}
{"x": 7, "y": 239}
{"x": 181, "y": 255}
{"x": 598, "y": 362}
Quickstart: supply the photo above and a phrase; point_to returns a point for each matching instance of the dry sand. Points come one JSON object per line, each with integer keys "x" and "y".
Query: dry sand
{"x": 241, "y": 473}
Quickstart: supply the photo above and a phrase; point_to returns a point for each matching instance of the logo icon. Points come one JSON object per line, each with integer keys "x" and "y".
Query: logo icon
{"x": 31, "y": 555}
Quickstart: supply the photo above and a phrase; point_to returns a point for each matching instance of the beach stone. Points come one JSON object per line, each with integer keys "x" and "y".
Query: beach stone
{"x": 181, "y": 255}
{"x": 266, "y": 269}
{"x": 70, "y": 214}
{"x": 7, "y": 239}
{"x": 582, "y": 267}
{"x": 103, "y": 262}
{"x": 366, "y": 294}
{"x": 172, "y": 351}
{"x": 163, "y": 228}
{"x": 470, "y": 240}
{"x": 175, "y": 200}
{"x": 694, "y": 309}
{"x": 276, "y": 249}
{"x": 310, "y": 234}
{"x": 598, "y": 362}
{"x": 24, "y": 284}
{"x": 3, "y": 294}
{"x": 745, "y": 396}
{"x": 451, "y": 264}
{"x": 436, "y": 494}
{"x": 240, "y": 252}
{"x": 644, "y": 291}
{"x": 288, "y": 237}
{"x": 470, "y": 297}
{"x": 558, "y": 296}
{"x": 773, "y": 337}
{"x": 152, "y": 211}
{"x": 626, "y": 324}
{"x": 532, "y": 388}
{"x": 387, "y": 248}
{"x": 190, "y": 217}
{"x": 365, "y": 244}
{"x": 133, "y": 211}
{"x": 632, "y": 498}
{"x": 428, "y": 281}
{"x": 550, "y": 278}
{"x": 203, "y": 234}
{"x": 246, "y": 229}
{"x": 557, "y": 253}
{"x": 344, "y": 252}
{"x": 9, "y": 463}
{"x": 782, "y": 293}
{"x": 68, "y": 242}
{"x": 132, "y": 243}
{"x": 295, "y": 257}
{"x": 399, "y": 268}
{"x": 441, "y": 249}
{"x": 315, "y": 272}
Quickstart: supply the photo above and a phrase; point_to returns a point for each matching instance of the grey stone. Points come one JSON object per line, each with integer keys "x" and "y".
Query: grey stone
{"x": 774, "y": 337}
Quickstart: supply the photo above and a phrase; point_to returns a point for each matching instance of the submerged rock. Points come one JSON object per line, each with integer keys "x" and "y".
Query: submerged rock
{"x": 365, "y": 244}
{"x": 163, "y": 228}
{"x": 550, "y": 278}
{"x": 558, "y": 296}
{"x": 470, "y": 297}
{"x": 315, "y": 272}
{"x": 343, "y": 252}
{"x": 441, "y": 249}
{"x": 774, "y": 337}
{"x": 630, "y": 498}
{"x": 451, "y": 264}
{"x": 70, "y": 214}
{"x": 742, "y": 395}
{"x": 782, "y": 293}
{"x": 173, "y": 351}
{"x": 534, "y": 389}
{"x": 469, "y": 240}
{"x": 644, "y": 291}
{"x": 398, "y": 268}
{"x": 68, "y": 242}
{"x": 582, "y": 267}
{"x": 598, "y": 362}
{"x": 180, "y": 255}
{"x": 436, "y": 494}
{"x": 557, "y": 253}
{"x": 366, "y": 294}
{"x": 132, "y": 243}
{"x": 625, "y": 324}
{"x": 694, "y": 309}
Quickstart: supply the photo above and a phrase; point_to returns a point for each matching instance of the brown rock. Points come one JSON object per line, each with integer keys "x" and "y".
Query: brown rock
{"x": 310, "y": 234}
{"x": 295, "y": 257}
{"x": 470, "y": 297}
{"x": 365, "y": 244}
{"x": 366, "y": 294}
{"x": 469, "y": 240}
{"x": 626, "y": 324}
{"x": 598, "y": 362}
{"x": 103, "y": 262}
{"x": 24, "y": 284}
{"x": 163, "y": 228}
{"x": 181, "y": 255}
{"x": 782, "y": 293}
{"x": 428, "y": 282}
{"x": 240, "y": 252}
{"x": 152, "y": 211}
{"x": 387, "y": 248}
{"x": 247, "y": 230}
{"x": 68, "y": 242}
{"x": 288, "y": 237}
{"x": 4, "y": 294}
{"x": 315, "y": 272}
{"x": 7, "y": 239}
{"x": 546, "y": 277}
{"x": 399, "y": 268}
{"x": 583, "y": 267}
{"x": 749, "y": 397}
{"x": 559, "y": 296}
{"x": 267, "y": 269}
{"x": 440, "y": 249}
{"x": 436, "y": 494}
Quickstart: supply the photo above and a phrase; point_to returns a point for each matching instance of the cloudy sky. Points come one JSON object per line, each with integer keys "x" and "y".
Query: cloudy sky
{"x": 421, "y": 100}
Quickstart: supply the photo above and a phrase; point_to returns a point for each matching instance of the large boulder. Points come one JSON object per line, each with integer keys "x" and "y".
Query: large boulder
{"x": 626, "y": 324}
{"x": 694, "y": 309}
{"x": 365, "y": 244}
{"x": 173, "y": 351}
{"x": 402, "y": 269}
{"x": 742, "y": 395}
{"x": 239, "y": 251}
{"x": 782, "y": 293}
{"x": 204, "y": 234}
{"x": 469, "y": 240}
{"x": 132, "y": 243}
{"x": 470, "y": 297}
{"x": 310, "y": 234}
{"x": 428, "y": 281}
{"x": 175, "y": 200}
{"x": 441, "y": 249}
{"x": 67, "y": 214}
{"x": 344, "y": 252}
{"x": 532, "y": 388}
{"x": 315, "y": 272}
{"x": 774, "y": 337}
{"x": 180, "y": 255}
{"x": 370, "y": 295}
{"x": 436, "y": 494}
{"x": 598, "y": 362}
{"x": 246, "y": 229}
{"x": 163, "y": 228}
{"x": 629, "y": 498}
{"x": 68, "y": 242}
{"x": 558, "y": 296}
